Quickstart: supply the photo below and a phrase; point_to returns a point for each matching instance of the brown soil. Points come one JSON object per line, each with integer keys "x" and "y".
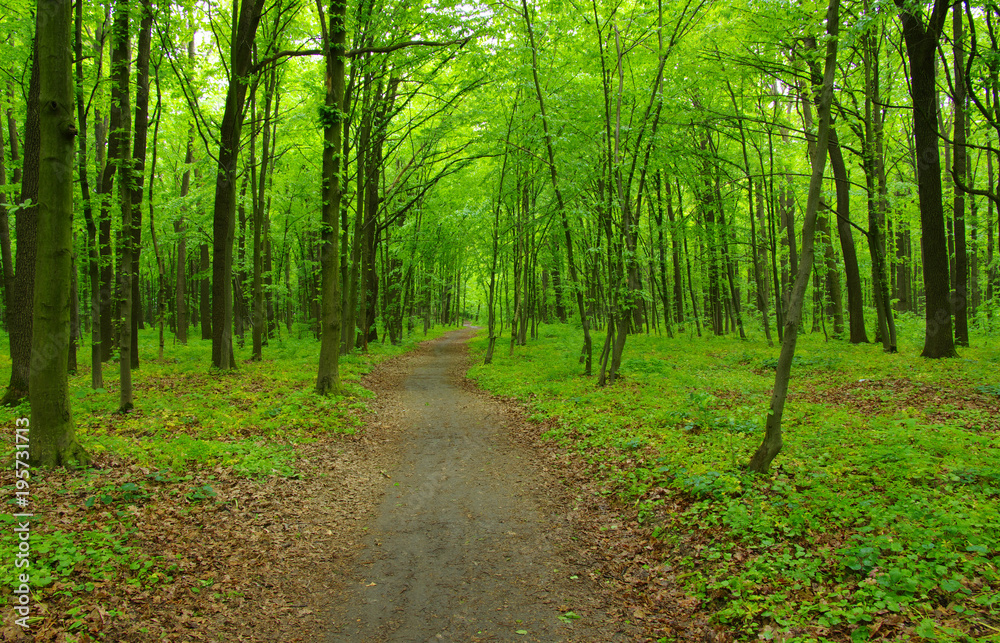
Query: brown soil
{"x": 471, "y": 541}
{"x": 942, "y": 403}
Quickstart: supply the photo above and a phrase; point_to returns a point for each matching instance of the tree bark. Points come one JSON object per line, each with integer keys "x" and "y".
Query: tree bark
{"x": 223, "y": 220}
{"x": 119, "y": 156}
{"x": 25, "y": 225}
{"x": 921, "y": 48}
{"x": 52, "y": 433}
{"x": 328, "y": 376}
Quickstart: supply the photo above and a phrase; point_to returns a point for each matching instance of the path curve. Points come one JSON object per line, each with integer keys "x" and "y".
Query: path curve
{"x": 467, "y": 546}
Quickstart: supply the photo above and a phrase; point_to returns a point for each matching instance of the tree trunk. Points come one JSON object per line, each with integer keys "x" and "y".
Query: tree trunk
{"x": 921, "y": 49}
{"x": 119, "y": 155}
{"x": 161, "y": 292}
{"x": 328, "y": 378}
{"x": 960, "y": 301}
{"x": 874, "y": 168}
{"x": 259, "y": 322}
{"x": 52, "y": 433}
{"x": 141, "y": 129}
{"x": 205, "y": 294}
{"x": 181, "y": 314}
{"x": 93, "y": 258}
{"x": 855, "y": 298}
{"x": 771, "y": 446}
{"x": 5, "y": 248}
{"x": 586, "y": 354}
{"x": 831, "y": 281}
{"x": 224, "y": 216}
{"x": 25, "y": 226}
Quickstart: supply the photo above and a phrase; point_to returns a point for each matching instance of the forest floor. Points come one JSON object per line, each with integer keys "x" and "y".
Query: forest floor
{"x": 433, "y": 517}
{"x": 418, "y": 507}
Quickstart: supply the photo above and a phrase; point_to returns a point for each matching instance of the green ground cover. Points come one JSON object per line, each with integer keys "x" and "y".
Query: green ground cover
{"x": 879, "y": 518}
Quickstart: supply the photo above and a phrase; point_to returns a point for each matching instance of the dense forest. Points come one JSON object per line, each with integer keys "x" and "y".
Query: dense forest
{"x": 332, "y": 182}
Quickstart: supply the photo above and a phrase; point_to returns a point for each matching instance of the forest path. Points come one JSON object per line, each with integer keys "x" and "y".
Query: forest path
{"x": 468, "y": 544}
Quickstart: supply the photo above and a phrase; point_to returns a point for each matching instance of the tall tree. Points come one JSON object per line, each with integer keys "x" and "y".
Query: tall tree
{"x": 25, "y": 224}
{"x": 587, "y": 353}
{"x": 328, "y": 377}
{"x": 53, "y": 441}
{"x": 921, "y": 50}
{"x": 119, "y": 155}
{"x": 138, "y": 166}
{"x": 772, "y": 443}
{"x": 961, "y": 286}
{"x": 93, "y": 256}
{"x": 246, "y": 16}
{"x": 181, "y": 317}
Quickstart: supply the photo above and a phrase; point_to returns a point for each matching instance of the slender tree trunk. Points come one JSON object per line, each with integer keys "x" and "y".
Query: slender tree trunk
{"x": 873, "y": 164}
{"x": 246, "y": 16}
{"x": 259, "y": 322}
{"x": 118, "y": 143}
{"x": 771, "y": 446}
{"x": 831, "y": 281}
{"x": 180, "y": 230}
{"x": 5, "y": 248}
{"x": 961, "y": 300}
{"x": 328, "y": 377}
{"x": 586, "y": 355}
{"x": 855, "y": 298}
{"x": 25, "y": 225}
{"x": 495, "y": 233}
{"x": 93, "y": 257}
{"x": 141, "y": 130}
{"x": 760, "y": 254}
{"x": 161, "y": 293}
{"x": 205, "y": 294}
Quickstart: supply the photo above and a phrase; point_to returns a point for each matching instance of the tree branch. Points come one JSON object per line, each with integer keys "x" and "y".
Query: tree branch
{"x": 352, "y": 53}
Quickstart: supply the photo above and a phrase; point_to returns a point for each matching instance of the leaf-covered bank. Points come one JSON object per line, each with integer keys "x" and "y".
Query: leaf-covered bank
{"x": 878, "y": 521}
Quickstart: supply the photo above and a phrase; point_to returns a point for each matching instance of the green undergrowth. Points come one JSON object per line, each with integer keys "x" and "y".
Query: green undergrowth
{"x": 191, "y": 428}
{"x": 879, "y": 516}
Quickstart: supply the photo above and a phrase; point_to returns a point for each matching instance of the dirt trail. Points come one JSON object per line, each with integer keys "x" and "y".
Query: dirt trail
{"x": 467, "y": 545}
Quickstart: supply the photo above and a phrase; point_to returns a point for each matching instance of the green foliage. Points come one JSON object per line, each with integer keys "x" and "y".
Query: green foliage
{"x": 883, "y": 501}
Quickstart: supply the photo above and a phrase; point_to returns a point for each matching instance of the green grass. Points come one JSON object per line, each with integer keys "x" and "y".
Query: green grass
{"x": 879, "y": 514}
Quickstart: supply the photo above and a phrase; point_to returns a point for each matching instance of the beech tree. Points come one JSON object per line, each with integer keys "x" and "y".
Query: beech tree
{"x": 921, "y": 48}
{"x": 246, "y": 16}
{"x": 328, "y": 378}
{"x": 53, "y": 441}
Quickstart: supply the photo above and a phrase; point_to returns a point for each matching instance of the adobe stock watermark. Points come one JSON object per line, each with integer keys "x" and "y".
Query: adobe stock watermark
{"x": 22, "y": 524}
